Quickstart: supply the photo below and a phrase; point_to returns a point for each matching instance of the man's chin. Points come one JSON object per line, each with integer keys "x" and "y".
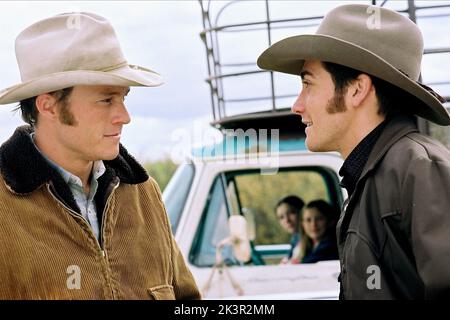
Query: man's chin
{"x": 107, "y": 156}
{"x": 312, "y": 146}
{"x": 316, "y": 147}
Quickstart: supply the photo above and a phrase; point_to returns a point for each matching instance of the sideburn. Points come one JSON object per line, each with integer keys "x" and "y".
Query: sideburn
{"x": 65, "y": 116}
{"x": 337, "y": 103}
{"x": 62, "y": 99}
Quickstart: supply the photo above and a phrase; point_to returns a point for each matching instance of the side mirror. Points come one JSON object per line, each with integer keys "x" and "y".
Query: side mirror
{"x": 239, "y": 237}
{"x": 249, "y": 215}
{"x": 241, "y": 247}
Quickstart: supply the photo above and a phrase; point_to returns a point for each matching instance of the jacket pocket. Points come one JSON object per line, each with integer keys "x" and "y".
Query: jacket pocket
{"x": 162, "y": 292}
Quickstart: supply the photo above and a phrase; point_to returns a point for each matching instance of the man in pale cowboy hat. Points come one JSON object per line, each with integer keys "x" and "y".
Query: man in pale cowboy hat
{"x": 80, "y": 218}
{"x": 360, "y": 97}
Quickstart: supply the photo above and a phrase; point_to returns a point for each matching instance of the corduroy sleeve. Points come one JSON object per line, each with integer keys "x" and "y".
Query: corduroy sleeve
{"x": 183, "y": 282}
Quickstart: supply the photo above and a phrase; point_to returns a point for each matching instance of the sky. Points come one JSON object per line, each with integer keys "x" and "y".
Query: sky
{"x": 164, "y": 36}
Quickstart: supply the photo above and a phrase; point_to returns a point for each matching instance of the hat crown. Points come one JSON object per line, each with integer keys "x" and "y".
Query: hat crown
{"x": 386, "y": 33}
{"x": 67, "y": 42}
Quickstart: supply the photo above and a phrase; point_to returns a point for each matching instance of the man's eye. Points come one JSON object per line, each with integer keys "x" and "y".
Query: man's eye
{"x": 108, "y": 101}
{"x": 305, "y": 83}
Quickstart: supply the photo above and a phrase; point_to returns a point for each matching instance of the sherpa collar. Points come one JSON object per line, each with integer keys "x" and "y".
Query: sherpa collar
{"x": 24, "y": 169}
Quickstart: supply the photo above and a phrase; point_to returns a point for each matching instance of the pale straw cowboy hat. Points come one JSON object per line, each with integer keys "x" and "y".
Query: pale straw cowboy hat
{"x": 72, "y": 49}
{"x": 374, "y": 40}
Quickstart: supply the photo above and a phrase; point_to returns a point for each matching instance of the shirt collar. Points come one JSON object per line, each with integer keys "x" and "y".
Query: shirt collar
{"x": 98, "y": 169}
{"x": 354, "y": 164}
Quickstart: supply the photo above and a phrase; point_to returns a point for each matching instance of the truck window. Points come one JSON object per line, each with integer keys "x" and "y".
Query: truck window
{"x": 244, "y": 191}
{"x": 213, "y": 229}
{"x": 176, "y": 192}
{"x": 261, "y": 193}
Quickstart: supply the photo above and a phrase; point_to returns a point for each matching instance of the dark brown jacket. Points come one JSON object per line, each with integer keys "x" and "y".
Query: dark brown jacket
{"x": 45, "y": 243}
{"x": 397, "y": 221}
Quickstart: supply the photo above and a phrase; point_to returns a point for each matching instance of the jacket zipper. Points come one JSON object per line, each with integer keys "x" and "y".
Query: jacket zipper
{"x": 78, "y": 216}
{"x": 104, "y": 219}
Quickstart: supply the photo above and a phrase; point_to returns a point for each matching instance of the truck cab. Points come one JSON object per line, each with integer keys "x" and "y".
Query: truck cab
{"x": 246, "y": 175}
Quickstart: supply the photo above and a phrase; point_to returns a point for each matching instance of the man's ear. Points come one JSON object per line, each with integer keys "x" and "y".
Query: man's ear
{"x": 46, "y": 105}
{"x": 360, "y": 89}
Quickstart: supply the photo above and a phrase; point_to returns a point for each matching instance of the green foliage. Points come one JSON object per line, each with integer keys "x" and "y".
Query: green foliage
{"x": 440, "y": 133}
{"x": 161, "y": 171}
{"x": 262, "y": 192}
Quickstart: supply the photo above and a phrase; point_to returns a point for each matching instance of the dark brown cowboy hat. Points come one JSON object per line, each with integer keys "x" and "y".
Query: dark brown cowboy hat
{"x": 374, "y": 40}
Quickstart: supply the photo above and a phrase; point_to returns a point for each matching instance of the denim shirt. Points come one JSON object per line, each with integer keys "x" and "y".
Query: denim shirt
{"x": 85, "y": 203}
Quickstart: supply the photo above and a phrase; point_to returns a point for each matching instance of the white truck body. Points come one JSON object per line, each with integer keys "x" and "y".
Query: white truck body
{"x": 274, "y": 281}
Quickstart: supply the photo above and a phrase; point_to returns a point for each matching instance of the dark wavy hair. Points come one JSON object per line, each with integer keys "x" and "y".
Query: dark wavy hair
{"x": 29, "y": 110}
{"x": 391, "y": 99}
{"x": 325, "y": 208}
{"x": 295, "y": 203}
{"x": 329, "y": 212}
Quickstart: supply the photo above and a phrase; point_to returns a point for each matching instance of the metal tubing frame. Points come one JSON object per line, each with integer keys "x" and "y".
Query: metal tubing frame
{"x": 210, "y": 37}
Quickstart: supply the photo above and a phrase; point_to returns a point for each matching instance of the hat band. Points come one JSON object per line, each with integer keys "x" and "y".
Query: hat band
{"x": 116, "y": 66}
{"x": 427, "y": 88}
{"x": 432, "y": 92}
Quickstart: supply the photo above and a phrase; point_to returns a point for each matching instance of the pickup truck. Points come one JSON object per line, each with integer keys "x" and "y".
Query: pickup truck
{"x": 239, "y": 178}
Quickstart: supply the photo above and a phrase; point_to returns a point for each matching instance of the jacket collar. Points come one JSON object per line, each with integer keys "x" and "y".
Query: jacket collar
{"x": 24, "y": 169}
{"x": 394, "y": 130}
{"x": 354, "y": 165}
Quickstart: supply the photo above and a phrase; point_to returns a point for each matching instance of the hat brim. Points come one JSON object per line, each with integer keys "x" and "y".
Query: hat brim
{"x": 126, "y": 76}
{"x": 289, "y": 55}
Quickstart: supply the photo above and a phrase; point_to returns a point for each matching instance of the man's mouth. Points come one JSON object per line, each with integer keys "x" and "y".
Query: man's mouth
{"x": 308, "y": 123}
{"x": 113, "y": 135}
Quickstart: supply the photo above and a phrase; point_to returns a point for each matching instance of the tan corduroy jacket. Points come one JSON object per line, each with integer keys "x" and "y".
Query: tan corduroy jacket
{"x": 48, "y": 251}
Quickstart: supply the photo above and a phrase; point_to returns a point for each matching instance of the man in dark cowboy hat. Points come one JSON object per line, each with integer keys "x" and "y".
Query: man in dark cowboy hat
{"x": 80, "y": 218}
{"x": 360, "y": 97}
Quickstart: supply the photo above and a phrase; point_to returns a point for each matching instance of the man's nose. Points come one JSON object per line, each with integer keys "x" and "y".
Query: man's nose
{"x": 298, "y": 107}
{"x": 122, "y": 116}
